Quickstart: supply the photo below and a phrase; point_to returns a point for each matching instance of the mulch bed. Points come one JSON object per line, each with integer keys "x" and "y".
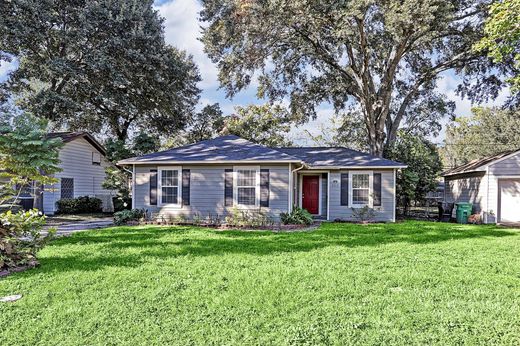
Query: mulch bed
{"x": 4, "y": 273}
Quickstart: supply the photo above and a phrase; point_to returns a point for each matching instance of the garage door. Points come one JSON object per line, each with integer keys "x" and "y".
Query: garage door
{"x": 509, "y": 201}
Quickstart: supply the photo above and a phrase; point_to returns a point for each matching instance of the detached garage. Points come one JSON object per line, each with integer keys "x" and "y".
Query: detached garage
{"x": 492, "y": 184}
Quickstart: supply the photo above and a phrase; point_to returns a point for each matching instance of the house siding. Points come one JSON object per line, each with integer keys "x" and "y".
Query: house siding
{"x": 471, "y": 187}
{"x": 76, "y": 162}
{"x": 384, "y": 213}
{"x": 207, "y": 191}
{"x": 510, "y": 168}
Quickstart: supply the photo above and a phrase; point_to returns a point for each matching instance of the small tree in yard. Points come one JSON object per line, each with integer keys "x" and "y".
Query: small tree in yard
{"x": 26, "y": 157}
{"x": 424, "y": 166}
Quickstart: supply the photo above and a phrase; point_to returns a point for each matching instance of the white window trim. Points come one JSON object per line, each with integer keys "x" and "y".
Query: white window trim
{"x": 179, "y": 186}
{"x": 320, "y": 193}
{"x": 370, "y": 189}
{"x": 235, "y": 187}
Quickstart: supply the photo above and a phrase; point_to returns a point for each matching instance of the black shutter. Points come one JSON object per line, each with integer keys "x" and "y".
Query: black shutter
{"x": 186, "y": 176}
{"x": 344, "y": 188}
{"x": 228, "y": 188}
{"x": 153, "y": 187}
{"x": 264, "y": 188}
{"x": 377, "y": 189}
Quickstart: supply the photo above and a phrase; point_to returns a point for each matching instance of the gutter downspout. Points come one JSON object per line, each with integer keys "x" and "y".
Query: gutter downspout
{"x": 293, "y": 188}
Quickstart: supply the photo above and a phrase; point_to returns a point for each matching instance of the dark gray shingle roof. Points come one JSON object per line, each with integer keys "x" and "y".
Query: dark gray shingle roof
{"x": 235, "y": 149}
{"x": 70, "y": 136}
{"x": 338, "y": 157}
{"x": 479, "y": 164}
{"x": 221, "y": 149}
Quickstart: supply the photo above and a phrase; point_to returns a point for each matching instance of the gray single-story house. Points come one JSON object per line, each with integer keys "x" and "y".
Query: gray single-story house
{"x": 213, "y": 176}
{"x": 492, "y": 184}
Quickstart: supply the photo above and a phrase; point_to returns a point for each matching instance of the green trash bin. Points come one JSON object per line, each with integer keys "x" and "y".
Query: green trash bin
{"x": 463, "y": 212}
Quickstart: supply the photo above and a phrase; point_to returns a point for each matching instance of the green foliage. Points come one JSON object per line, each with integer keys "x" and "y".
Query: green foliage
{"x": 365, "y": 214}
{"x": 409, "y": 283}
{"x": 20, "y": 238}
{"x": 26, "y": 154}
{"x": 97, "y": 65}
{"x": 298, "y": 216}
{"x": 263, "y": 124}
{"x": 79, "y": 205}
{"x": 502, "y": 37}
{"x": 424, "y": 166}
{"x": 379, "y": 58}
{"x": 247, "y": 218}
{"x": 486, "y": 132}
{"x": 124, "y": 216}
{"x": 205, "y": 124}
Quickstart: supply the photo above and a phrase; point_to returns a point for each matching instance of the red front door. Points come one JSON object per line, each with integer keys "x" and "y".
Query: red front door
{"x": 311, "y": 193}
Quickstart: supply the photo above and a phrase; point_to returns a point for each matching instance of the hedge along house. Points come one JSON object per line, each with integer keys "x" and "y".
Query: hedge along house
{"x": 82, "y": 163}
{"x": 492, "y": 184}
{"x": 214, "y": 176}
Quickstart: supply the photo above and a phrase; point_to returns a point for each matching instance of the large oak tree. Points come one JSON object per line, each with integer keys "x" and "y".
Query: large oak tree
{"x": 380, "y": 58}
{"x": 97, "y": 65}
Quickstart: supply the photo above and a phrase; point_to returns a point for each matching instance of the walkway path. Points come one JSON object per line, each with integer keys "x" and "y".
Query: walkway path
{"x": 78, "y": 226}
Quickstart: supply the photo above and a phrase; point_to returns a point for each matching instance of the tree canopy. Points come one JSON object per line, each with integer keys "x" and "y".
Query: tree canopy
{"x": 424, "y": 166}
{"x": 379, "y": 58}
{"x": 502, "y": 37}
{"x": 486, "y": 132}
{"x": 263, "y": 124}
{"x": 97, "y": 65}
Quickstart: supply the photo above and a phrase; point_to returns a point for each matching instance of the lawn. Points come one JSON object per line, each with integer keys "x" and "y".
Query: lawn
{"x": 406, "y": 283}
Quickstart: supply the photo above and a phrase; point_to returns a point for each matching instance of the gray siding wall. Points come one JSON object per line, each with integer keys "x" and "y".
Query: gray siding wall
{"x": 207, "y": 191}
{"x": 384, "y": 213}
{"x": 510, "y": 168}
{"x": 466, "y": 188}
{"x": 76, "y": 162}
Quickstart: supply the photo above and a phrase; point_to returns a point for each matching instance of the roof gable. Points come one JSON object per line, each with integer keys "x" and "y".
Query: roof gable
{"x": 70, "y": 136}
{"x": 481, "y": 164}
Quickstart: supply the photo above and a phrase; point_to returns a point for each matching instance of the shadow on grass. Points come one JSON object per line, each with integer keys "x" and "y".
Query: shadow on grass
{"x": 130, "y": 247}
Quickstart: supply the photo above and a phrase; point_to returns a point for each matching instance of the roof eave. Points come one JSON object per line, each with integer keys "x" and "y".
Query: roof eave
{"x": 450, "y": 174}
{"x": 359, "y": 167}
{"x": 172, "y": 162}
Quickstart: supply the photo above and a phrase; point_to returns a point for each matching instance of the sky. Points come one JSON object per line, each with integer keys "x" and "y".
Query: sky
{"x": 182, "y": 30}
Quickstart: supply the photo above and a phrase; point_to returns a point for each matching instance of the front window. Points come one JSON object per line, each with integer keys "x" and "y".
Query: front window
{"x": 169, "y": 186}
{"x": 247, "y": 186}
{"x": 360, "y": 189}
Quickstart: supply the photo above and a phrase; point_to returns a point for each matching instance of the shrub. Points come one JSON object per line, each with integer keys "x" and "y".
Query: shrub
{"x": 244, "y": 218}
{"x": 364, "y": 214}
{"x": 122, "y": 203}
{"x": 298, "y": 216}
{"x": 124, "y": 216}
{"x": 20, "y": 238}
{"x": 80, "y": 205}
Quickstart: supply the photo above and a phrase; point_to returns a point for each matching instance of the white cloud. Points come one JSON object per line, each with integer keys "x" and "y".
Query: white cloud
{"x": 182, "y": 30}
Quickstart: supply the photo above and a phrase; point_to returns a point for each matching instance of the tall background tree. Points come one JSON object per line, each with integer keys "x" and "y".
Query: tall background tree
{"x": 97, "y": 65}
{"x": 502, "y": 37}
{"x": 487, "y": 131}
{"x": 379, "y": 58}
{"x": 424, "y": 165}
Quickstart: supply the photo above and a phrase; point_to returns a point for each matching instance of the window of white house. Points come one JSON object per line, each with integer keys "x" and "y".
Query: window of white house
{"x": 170, "y": 186}
{"x": 360, "y": 188}
{"x": 247, "y": 186}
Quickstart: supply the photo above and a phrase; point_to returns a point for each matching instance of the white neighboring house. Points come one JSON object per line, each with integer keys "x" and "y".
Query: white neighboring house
{"x": 83, "y": 164}
{"x": 492, "y": 184}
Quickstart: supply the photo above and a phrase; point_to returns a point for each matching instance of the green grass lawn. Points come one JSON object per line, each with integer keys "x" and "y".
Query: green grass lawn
{"x": 407, "y": 283}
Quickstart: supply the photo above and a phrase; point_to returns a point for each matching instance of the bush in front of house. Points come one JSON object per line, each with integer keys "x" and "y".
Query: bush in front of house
{"x": 125, "y": 216}
{"x": 80, "y": 205}
{"x": 122, "y": 203}
{"x": 298, "y": 216}
{"x": 20, "y": 238}
{"x": 363, "y": 215}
